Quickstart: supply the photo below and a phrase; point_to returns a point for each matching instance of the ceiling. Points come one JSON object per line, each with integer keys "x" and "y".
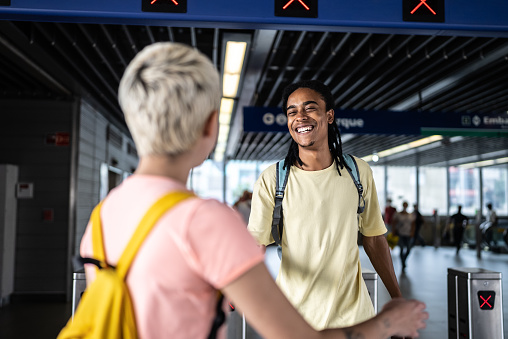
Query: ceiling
{"x": 366, "y": 71}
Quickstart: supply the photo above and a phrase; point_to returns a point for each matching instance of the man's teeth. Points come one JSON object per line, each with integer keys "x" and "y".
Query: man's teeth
{"x": 303, "y": 129}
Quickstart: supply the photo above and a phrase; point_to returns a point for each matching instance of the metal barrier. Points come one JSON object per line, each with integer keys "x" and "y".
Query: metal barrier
{"x": 238, "y": 326}
{"x": 78, "y": 287}
{"x": 475, "y": 304}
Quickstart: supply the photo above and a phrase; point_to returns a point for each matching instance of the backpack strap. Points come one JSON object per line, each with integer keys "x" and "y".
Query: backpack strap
{"x": 352, "y": 168}
{"x": 145, "y": 226}
{"x": 281, "y": 179}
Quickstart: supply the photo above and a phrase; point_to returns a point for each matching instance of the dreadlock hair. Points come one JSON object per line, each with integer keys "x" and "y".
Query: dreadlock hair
{"x": 334, "y": 141}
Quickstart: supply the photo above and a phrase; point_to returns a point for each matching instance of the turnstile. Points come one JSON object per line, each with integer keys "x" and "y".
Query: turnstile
{"x": 78, "y": 287}
{"x": 238, "y": 328}
{"x": 475, "y": 304}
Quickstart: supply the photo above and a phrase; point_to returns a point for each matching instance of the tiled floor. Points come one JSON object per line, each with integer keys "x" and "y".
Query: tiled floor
{"x": 425, "y": 279}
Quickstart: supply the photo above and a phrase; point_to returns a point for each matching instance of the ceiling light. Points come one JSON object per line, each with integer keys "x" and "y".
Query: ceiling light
{"x": 233, "y": 64}
{"x": 402, "y": 148}
{"x": 484, "y": 163}
{"x": 234, "y": 51}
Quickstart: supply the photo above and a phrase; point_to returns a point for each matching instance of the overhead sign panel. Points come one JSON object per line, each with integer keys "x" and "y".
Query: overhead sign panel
{"x": 272, "y": 119}
{"x": 296, "y": 8}
{"x": 164, "y": 6}
{"x": 423, "y": 10}
{"x": 465, "y": 17}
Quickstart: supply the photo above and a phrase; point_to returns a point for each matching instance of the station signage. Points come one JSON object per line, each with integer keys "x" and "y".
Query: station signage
{"x": 423, "y": 10}
{"x": 296, "y": 8}
{"x": 272, "y": 119}
{"x": 164, "y": 6}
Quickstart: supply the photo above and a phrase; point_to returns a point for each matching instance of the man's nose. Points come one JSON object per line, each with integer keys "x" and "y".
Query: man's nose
{"x": 301, "y": 115}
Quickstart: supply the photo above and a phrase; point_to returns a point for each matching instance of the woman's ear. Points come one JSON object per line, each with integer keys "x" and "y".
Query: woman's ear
{"x": 211, "y": 124}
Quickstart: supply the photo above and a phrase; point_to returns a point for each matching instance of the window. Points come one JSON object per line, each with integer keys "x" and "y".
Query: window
{"x": 464, "y": 190}
{"x": 432, "y": 191}
{"x": 495, "y": 189}
{"x": 378, "y": 172}
{"x": 401, "y": 185}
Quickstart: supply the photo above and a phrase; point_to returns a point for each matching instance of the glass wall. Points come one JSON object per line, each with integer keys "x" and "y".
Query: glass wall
{"x": 401, "y": 186}
{"x": 464, "y": 190}
{"x": 495, "y": 189}
{"x": 207, "y": 181}
{"x": 432, "y": 193}
{"x": 378, "y": 172}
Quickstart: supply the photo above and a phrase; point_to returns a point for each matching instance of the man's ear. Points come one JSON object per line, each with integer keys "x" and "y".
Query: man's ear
{"x": 211, "y": 123}
{"x": 331, "y": 116}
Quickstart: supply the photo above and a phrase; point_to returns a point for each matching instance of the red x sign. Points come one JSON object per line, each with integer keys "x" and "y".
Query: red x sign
{"x": 486, "y": 299}
{"x": 297, "y": 8}
{"x": 300, "y": 1}
{"x": 423, "y": 10}
{"x": 423, "y": 2}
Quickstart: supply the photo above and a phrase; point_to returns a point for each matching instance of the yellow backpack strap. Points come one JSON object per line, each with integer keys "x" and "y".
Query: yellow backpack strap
{"x": 97, "y": 237}
{"x": 145, "y": 226}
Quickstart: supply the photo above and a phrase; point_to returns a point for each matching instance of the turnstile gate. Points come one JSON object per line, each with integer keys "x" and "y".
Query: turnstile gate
{"x": 475, "y": 304}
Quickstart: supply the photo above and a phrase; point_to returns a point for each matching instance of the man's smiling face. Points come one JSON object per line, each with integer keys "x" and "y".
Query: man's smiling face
{"x": 308, "y": 119}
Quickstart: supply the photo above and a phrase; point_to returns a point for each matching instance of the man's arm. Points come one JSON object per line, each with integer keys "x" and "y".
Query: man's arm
{"x": 379, "y": 254}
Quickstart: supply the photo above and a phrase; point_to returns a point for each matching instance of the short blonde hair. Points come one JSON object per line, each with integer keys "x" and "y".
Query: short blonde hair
{"x": 167, "y": 93}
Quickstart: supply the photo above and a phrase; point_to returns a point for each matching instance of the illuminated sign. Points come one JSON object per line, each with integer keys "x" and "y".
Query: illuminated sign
{"x": 486, "y": 299}
{"x": 296, "y": 8}
{"x": 5, "y": 2}
{"x": 164, "y": 6}
{"x": 423, "y": 10}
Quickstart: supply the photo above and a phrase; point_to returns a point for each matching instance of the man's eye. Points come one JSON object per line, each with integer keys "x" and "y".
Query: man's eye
{"x": 309, "y": 108}
{"x": 291, "y": 113}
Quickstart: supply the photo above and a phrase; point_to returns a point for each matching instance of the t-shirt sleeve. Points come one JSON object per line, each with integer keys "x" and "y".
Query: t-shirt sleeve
{"x": 222, "y": 247}
{"x": 263, "y": 201}
{"x": 371, "y": 220}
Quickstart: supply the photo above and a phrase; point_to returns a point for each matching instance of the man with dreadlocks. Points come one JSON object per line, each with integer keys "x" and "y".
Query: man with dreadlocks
{"x": 320, "y": 270}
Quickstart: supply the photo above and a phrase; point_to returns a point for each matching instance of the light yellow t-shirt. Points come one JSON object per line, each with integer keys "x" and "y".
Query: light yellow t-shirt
{"x": 320, "y": 271}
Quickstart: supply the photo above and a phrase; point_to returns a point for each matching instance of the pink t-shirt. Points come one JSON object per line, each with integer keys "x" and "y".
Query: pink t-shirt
{"x": 197, "y": 247}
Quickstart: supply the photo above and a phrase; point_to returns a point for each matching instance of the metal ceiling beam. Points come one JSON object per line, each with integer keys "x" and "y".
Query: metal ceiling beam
{"x": 349, "y": 57}
{"x": 357, "y": 83}
{"x": 315, "y": 51}
{"x": 289, "y": 60}
{"x": 114, "y": 45}
{"x": 394, "y": 84}
{"x": 374, "y": 81}
{"x": 23, "y": 61}
{"x": 262, "y": 42}
{"x": 333, "y": 54}
{"x": 99, "y": 52}
{"x": 451, "y": 80}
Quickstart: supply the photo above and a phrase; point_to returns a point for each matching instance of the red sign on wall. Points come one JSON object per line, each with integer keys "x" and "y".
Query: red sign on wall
{"x": 59, "y": 139}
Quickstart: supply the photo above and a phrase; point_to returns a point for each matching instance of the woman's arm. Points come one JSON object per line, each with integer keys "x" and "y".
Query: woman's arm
{"x": 270, "y": 313}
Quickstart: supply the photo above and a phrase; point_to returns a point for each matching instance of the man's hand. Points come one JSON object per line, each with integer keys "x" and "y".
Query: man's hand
{"x": 406, "y": 316}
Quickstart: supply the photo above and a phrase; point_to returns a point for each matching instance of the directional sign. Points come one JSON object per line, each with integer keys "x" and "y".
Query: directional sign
{"x": 423, "y": 10}
{"x": 486, "y": 299}
{"x": 164, "y": 6}
{"x": 297, "y": 8}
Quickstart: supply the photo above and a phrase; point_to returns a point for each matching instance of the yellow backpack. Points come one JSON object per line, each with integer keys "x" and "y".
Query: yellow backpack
{"x": 105, "y": 309}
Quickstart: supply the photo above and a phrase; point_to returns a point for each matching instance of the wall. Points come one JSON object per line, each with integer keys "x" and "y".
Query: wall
{"x": 100, "y": 143}
{"x": 41, "y": 246}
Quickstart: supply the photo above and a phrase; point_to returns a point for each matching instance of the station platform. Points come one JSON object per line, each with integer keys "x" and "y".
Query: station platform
{"x": 425, "y": 278}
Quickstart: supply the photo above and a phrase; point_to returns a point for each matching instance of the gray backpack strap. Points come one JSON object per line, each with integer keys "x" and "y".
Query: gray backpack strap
{"x": 352, "y": 168}
{"x": 281, "y": 179}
